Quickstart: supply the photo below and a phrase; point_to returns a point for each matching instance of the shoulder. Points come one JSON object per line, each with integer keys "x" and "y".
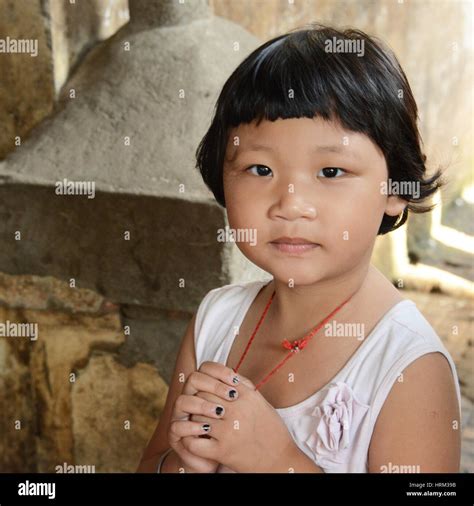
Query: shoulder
{"x": 419, "y": 422}
{"x": 228, "y": 295}
{"x": 408, "y": 322}
{"x": 216, "y": 314}
{"x": 401, "y": 336}
{"x": 429, "y": 380}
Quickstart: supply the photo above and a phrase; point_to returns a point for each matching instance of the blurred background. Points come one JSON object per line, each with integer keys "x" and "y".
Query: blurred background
{"x": 116, "y": 94}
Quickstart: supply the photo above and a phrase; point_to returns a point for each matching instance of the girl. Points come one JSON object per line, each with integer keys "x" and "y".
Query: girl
{"x": 313, "y": 135}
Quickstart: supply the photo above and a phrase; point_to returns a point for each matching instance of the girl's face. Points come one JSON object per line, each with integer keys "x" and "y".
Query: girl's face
{"x": 311, "y": 179}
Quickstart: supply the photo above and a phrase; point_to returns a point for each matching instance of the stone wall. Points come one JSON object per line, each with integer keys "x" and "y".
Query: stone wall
{"x": 64, "y": 30}
{"x": 65, "y": 395}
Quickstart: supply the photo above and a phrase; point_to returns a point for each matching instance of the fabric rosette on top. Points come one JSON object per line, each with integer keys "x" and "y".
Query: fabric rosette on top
{"x": 336, "y": 418}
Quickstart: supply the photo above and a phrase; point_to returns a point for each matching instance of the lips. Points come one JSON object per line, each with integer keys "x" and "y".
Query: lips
{"x": 293, "y": 245}
{"x": 292, "y": 240}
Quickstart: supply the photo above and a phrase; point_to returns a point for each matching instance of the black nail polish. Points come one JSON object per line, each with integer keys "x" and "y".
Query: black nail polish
{"x": 206, "y": 427}
{"x": 219, "y": 410}
{"x": 232, "y": 393}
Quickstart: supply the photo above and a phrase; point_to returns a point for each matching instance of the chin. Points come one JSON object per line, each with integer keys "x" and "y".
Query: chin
{"x": 300, "y": 275}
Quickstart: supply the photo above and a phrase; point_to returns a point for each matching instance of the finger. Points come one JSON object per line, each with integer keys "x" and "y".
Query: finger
{"x": 193, "y": 404}
{"x": 204, "y": 448}
{"x": 215, "y": 426}
{"x": 245, "y": 381}
{"x": 221, "y": 372}
{"x": 182, "y": 428}
{"x": 213, "y": 398}
{"x": 201, "y": 418}
{"x": 199, "y": 381}
{"x": 190, "y": 458}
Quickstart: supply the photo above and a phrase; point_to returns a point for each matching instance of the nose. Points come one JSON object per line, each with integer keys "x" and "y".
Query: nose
{"x": 293, "y": 205}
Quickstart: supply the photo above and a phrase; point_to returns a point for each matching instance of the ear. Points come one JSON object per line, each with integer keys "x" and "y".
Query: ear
{"x": 395, "y": 205}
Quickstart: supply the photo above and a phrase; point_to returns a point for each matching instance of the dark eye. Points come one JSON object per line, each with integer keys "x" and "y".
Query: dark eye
{"x": 331, "y": 172}
{"x": 261, "y": 170}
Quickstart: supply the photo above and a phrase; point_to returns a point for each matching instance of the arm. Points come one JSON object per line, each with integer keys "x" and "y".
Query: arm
{"x": 171, "y": 463}
{"x": 295, "y": 461}
{"x": 158, "y": 444}
{"x": 419, "y": 424}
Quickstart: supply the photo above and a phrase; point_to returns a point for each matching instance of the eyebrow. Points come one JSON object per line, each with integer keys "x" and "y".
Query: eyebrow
{"x": 328, "y": 148}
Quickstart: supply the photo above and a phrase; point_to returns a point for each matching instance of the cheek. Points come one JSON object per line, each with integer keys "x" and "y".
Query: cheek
{"x": 243, "y": 209}
{"x": 368, "y": 200}
{"x": 232, "y": 192}
{"x": 355, "y": 219}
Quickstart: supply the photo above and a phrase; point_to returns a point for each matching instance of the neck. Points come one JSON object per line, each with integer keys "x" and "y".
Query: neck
{"x": 306, "y": 305}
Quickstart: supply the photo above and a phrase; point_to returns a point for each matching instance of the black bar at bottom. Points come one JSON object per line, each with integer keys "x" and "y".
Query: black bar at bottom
{"x": 235, "y": 489}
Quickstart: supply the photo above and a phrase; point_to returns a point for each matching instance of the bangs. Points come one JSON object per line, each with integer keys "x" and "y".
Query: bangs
{"x": 294, "y": 76}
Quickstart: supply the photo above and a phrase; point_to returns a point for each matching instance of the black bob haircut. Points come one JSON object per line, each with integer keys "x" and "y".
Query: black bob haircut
{"x": 369, "y": 94}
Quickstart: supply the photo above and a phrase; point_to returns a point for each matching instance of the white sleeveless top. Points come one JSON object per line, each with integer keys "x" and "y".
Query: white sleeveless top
{"x": 334, "y": 425}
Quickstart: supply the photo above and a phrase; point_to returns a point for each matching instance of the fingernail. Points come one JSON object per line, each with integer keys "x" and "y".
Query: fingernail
{"x": 206, "y": 427}
{"x": 219, "y": 410}
{"x": 232, "y": 393}
{"x": 235, "y": 380}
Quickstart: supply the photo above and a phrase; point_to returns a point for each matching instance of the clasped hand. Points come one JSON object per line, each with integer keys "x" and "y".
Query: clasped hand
{"x": 249, "y": 436}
